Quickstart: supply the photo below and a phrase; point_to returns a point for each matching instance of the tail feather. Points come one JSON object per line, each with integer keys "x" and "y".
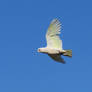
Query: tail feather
{"x": 68, "y": 53}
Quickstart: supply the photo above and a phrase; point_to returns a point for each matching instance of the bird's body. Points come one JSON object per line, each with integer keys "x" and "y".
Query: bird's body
{"x": 54, "y": 45}
{"x": 50, "y": 50}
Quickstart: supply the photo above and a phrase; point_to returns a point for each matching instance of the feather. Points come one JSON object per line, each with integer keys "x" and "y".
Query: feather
{"x": 52, "y": 35}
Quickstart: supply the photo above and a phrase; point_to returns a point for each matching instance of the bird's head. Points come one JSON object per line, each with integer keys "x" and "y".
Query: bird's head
{"x": 42, "y": 50}
{"x": 39, "y": 50}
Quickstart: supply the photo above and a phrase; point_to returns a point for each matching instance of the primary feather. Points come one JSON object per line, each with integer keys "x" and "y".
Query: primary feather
{"x": 52, "y": 35}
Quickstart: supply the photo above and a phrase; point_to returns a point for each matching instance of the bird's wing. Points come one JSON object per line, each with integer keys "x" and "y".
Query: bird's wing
{"x": 57, "y": 58}
{"x": 52, "y": 35}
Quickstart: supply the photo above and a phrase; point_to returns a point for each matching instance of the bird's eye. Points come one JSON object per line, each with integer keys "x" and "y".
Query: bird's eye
{"x": 38, "y": 50}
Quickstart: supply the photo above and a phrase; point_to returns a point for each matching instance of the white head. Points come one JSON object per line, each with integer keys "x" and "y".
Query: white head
{"x": 42, "y": 50}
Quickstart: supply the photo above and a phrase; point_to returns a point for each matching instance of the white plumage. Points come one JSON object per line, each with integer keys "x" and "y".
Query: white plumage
{"x": 52, "y": 35}
{"x": 54, "y": 44}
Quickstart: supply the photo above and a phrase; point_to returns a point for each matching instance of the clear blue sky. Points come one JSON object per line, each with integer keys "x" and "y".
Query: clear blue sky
{"x": 23, "y": 24}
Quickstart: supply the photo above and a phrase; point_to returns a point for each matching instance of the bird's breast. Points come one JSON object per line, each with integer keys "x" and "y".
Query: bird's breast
{"x": 53, "y": 51}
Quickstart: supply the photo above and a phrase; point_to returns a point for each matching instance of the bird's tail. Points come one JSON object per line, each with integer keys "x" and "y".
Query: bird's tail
{"x": 68, "y": 53}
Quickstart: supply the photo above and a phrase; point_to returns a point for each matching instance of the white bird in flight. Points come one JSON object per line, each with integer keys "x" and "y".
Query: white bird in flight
{"x": 54, "y": 45}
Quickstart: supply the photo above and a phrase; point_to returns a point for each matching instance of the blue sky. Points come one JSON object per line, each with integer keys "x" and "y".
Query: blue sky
{"x": 23, "y": 24}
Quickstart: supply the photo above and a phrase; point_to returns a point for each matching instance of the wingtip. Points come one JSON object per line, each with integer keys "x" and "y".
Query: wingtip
{"x": 55, "y": 20}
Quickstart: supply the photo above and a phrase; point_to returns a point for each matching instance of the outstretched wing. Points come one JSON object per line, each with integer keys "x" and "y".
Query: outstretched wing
{"x": 57, "y": 58}
{"x": 52, "y": 35}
